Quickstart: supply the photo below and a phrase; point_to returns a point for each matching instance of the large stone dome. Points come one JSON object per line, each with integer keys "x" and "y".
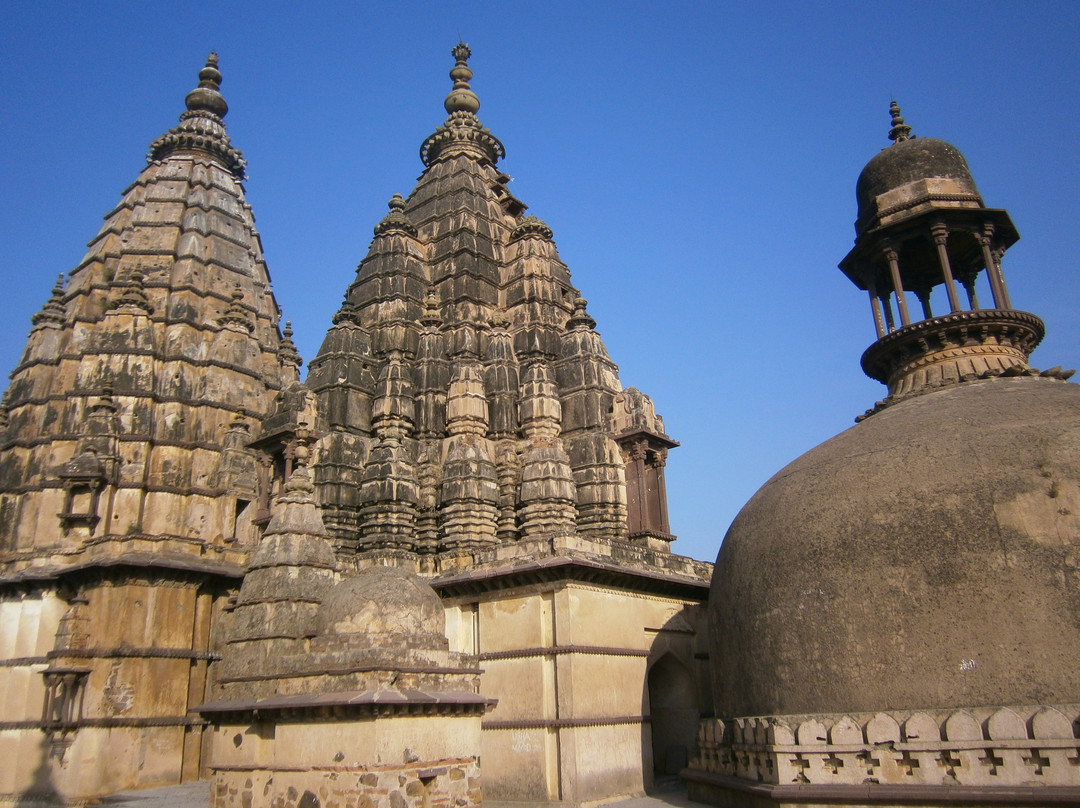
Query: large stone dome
{"x": 927, "y": 557}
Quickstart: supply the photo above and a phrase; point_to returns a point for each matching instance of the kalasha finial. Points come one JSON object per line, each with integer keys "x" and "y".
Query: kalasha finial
{"x": 461, "y": 98}
{"x": 207, "y": 96}
{"x": 900, "y": 131}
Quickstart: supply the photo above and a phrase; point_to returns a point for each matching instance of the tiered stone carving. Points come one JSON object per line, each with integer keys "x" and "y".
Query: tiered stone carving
{"x": 126, "y": 482}
{"x": 507, "y": 420}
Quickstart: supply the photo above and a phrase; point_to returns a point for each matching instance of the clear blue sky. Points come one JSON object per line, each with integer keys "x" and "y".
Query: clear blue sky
{"x": 696, "y": 161}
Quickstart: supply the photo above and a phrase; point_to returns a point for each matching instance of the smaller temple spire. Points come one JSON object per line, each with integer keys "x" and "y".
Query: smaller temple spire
{"x": 395, "y": 221}
{"x": 287, "y": 353}
{"x": 53, "y": 310}
{"x": 461, "y": 97}
{"x": 900, "y": 131}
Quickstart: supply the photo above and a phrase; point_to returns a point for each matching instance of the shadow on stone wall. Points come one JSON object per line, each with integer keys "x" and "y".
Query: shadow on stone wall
{"x": 42, "y": 791}
{"x": 672, "y": 696}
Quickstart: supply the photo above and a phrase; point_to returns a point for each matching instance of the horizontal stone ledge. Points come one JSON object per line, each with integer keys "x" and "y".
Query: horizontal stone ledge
{"x": 19, "y": 662}
{"x": 421, "y": 768}
{"x": 147, "y": 561}
{"x": 557, "y": 650}
{"x": 265, "y": 677}
{"x": 566, "y": 723}
{"x": 138, "y": 653}
{"x": 560, "y": 568}
{"x": 885, "y": 794}
{"x": 114, "y": 722}
{"x": 363, "y": 700}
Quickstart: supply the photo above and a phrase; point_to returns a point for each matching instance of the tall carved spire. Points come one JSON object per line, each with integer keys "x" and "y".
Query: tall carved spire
{"x": 125, "y": 468}
{"x": 481, "y": 408}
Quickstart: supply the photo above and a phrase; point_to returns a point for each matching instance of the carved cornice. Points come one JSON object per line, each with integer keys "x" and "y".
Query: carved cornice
{"x": 462, "y": 133}
{"x": 1006, "y": 336}
{"x": 200, "y": 130}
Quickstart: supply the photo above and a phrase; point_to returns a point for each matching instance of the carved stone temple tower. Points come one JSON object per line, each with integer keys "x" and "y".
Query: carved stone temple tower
{"x": 192, "y": 537}
{"x": 127, "y": 489}
{"x": 469, "y": 406}
{"x": 895, "y": 616}
{"x": 472, "y": 428}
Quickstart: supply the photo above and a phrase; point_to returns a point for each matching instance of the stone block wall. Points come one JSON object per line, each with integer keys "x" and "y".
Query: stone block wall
{"x": 362, "y": 762}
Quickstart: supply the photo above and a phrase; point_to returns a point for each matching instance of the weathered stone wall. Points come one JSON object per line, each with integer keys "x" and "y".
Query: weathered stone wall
{"x": 358, "y": 763}
{"x": 569, "y": 665}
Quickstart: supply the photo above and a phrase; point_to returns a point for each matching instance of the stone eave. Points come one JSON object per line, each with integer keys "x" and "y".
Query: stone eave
{"x": 656, "y": 437}
{"x": 863, "y": 255}
{"x": 886, "y": 794}
{"x": 223, "y": 569}
{"x": 566, "y": 569}
{"x": 383, "y": 701}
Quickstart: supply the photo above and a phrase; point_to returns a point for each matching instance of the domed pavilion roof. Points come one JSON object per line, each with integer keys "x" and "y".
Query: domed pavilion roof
{"x": 910, "y": 171}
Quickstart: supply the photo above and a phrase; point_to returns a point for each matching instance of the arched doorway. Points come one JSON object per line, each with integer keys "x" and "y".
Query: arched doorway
{"x": 674, "y": 712}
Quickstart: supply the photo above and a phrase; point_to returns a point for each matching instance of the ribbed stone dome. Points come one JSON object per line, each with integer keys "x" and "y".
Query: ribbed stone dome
{"x": 927, "y": 557}
{"x": 385, "y": 601}
{"x": 908, "y": 161}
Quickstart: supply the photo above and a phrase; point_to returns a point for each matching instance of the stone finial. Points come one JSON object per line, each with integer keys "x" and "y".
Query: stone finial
{"x": 580, "y": 318}
{"x": 900, "y": 131}
{"x": 461, "y": 97}
{"x": 53, "y": 310}
{"x": 462, "y": 133}
{"x": 207, "y": 96}
{"x": 236, "y": 316}
{"x": 131, "y": 294}
{"x": 346, "y": 313}
{"x": 395, "y": 220}
{"x": 201, "y": 126}
{"x": 287, "y": 353}
{"x": 431, "y": 316}
{"x": 531, "y": 226}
